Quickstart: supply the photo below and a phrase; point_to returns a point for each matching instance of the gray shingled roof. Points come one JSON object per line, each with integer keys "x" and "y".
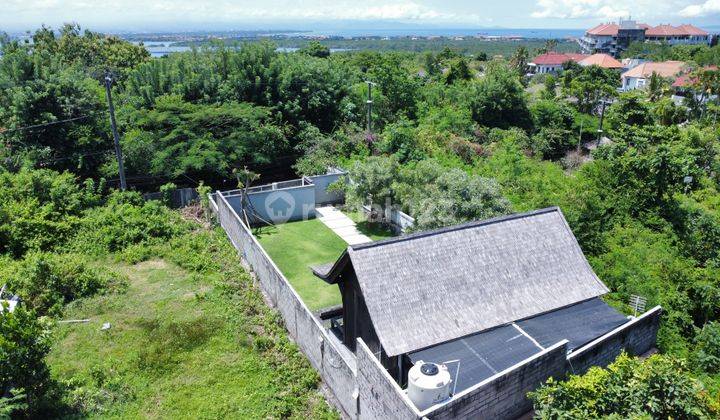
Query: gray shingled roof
{"x": 431, "y": 287}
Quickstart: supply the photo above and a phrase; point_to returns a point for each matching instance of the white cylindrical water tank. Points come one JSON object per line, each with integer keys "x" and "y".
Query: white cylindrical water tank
{"x": 428, "y": 384}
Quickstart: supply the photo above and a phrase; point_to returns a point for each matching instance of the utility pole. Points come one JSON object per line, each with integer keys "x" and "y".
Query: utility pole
{"x": 369, "y": 106}
{"x": 116, "y": 136}
{"x": 579, "y": 145}
{"x": 602, "y": 116}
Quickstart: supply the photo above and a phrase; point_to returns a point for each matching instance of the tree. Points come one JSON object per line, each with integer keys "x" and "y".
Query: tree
{"x": 656, "y": 87}
{"x": 315, "y": 49}
{"x": 630, "y": 110}
{"x": 401, "y": 140}
{"x": 552, "y": 114}
{"x": 24, "y": 343}
{"x": 372, "y": 182}
{"x": 437, "y": 196}
{"x": 550, "y": 83}
{"x": 396, "y": 83}
{"x": 203, "y": 141}
{"x": 706, "y": 355}
{"x": 36, "y": 90}
{"x": 550, "y": 45}
{"x": 498, "y": 100}
{"x": 519, "y": 60}
{"x": 589, "y": 85}
{"x": 433, "y": 65}
{"x": 94, "y": 52}
{"x": 658, "y": 387}
{"x": 667, "y": 113}
{"x": 459, "y": 71}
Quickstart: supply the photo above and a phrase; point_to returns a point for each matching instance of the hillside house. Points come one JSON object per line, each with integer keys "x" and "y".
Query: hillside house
{"x": 489, "y": 294}
{"x": 601, "y": 60}
{"x": 639, "y": 76}
{"x": 552, "y": 62}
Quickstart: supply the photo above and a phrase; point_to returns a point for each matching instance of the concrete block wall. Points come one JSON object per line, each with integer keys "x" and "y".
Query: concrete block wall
{"x": 504, "y": 396}
{"x": 635, "y": 337}
{"x": 337, "y": 368}
{"x": 363, "y": 388}
{"x": 322, "y": 182}
{"x": 379, "y": 396}
{"x": 279, "y": 206}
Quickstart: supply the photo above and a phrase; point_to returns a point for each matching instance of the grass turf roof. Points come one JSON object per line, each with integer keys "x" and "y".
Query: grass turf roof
{"x": 295, "y": 247}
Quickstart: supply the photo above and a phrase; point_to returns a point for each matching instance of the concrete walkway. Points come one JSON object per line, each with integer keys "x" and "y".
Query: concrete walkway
{"x": 342, "y": 225}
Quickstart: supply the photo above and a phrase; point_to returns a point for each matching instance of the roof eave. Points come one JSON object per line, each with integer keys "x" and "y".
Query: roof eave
{"x": 333, "y": 275}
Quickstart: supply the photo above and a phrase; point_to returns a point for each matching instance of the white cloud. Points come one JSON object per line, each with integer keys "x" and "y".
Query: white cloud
{"x": 579, "y": 9}
{"x": 406, "y": 10}
{"x": 710, "y": 7}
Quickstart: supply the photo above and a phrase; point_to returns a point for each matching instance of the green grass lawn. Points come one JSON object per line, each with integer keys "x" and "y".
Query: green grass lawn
{"x": 183, "y": 344}
{"x": 374, "y": 231}
{"x": 295, "y": 247}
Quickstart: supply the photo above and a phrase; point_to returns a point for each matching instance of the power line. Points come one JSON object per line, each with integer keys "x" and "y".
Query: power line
{"x": 36, "y": 126}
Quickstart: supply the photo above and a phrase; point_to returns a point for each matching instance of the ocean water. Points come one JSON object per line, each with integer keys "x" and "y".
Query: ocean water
{"x": 401, "y": 32}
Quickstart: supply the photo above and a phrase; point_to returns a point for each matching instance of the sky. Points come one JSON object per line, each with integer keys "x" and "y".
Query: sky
{"x": 20, "y": 15}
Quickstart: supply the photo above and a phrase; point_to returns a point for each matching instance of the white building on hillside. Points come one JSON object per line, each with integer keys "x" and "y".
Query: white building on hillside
{"x": 639, "y": 76}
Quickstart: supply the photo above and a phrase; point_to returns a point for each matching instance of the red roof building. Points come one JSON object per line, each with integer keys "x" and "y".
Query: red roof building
{"x": 687, "y": 79}
{"x": 664, "y": 31}
{"x": 604, "y": 29}
{"x": 613, "y": 38}
{"x": 602, "y": 60}
{"x": 552, "y": 62}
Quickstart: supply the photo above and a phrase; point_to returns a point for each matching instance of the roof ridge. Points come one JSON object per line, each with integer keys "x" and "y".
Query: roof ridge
{"x": 467, "y": 225}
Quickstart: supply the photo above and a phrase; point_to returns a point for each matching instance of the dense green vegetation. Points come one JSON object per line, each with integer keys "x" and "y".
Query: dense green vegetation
{"x": 190, "y": 332}
{"x": 453, "y": 138}
{"x": 657, "y": 388}
{"x": 698, "y": 54}
{"x": 475, "y": 47}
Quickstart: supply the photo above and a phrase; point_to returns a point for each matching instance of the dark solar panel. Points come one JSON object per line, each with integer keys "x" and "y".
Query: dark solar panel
{"x": 484, "y": 354}
{"x": 579, "y": 324}
{"x": 481, "y": 355}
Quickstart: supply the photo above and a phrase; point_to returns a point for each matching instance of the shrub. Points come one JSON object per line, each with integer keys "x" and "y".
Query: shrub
{"x": 707, "y": 348}
{"x": 126, "y": 220}
{"x": 658, "y": 387}
{"x": 39, "y": 209}
{"x": 24, "y": 342}
{"x": 167, "y": 191}
{"x": 46, "y": 282}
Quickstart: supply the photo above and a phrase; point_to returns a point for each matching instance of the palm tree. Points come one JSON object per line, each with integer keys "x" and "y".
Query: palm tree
{"x": 550, "y": 45}
{"x": 519, "y": 60}
{"x": 656, "y": 87}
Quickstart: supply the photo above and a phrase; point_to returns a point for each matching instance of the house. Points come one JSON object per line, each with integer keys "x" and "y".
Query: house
{"x": 487, "y": 293}
{"x": 552, "y": 62}
{"x": 628, "y": 63}
{"x": 677, "y": 35}
{"x": 602, "y": 60}
{"x": 684, "y": 87}
{"x": 614, "y": 38}
{"x": 638, "y": 77}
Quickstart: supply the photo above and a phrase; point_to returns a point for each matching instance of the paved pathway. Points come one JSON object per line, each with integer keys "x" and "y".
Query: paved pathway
{"x": 342, "y": 225}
